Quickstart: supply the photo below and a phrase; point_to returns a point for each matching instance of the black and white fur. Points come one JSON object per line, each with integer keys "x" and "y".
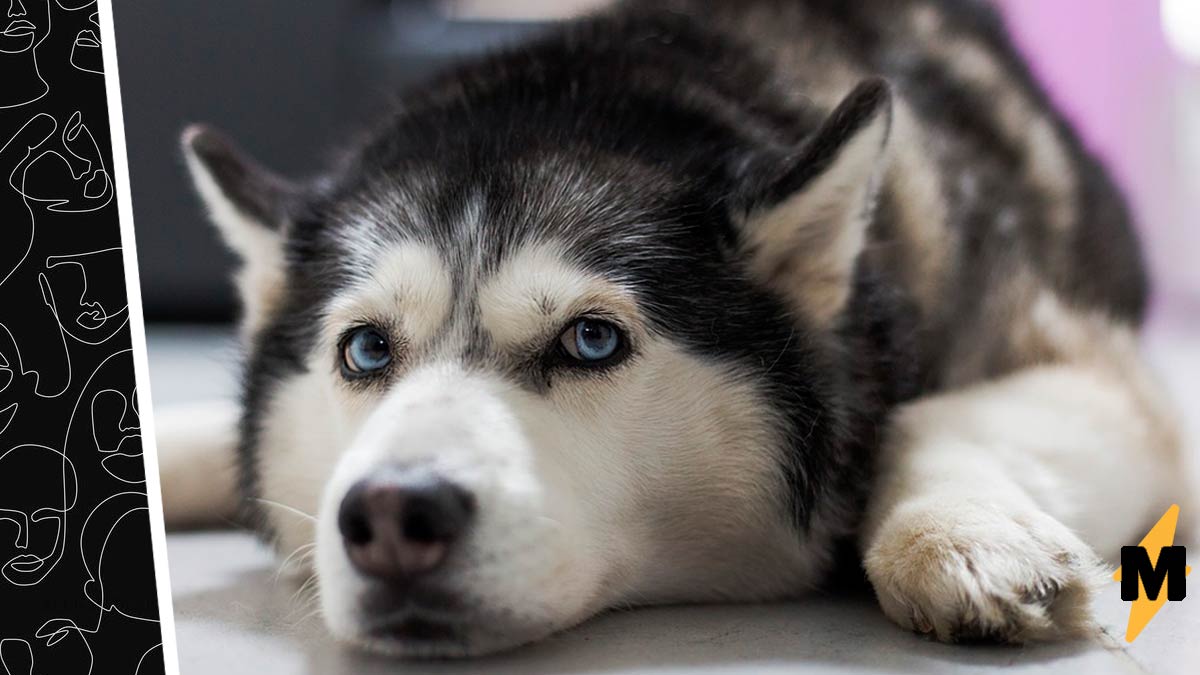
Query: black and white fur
{"x": 876, "y": 294}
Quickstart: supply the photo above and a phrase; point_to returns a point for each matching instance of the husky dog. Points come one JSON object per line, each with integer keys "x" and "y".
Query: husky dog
{"x": 681, "y": 302}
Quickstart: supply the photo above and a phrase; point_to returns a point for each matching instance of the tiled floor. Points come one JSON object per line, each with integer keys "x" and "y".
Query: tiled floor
{"x": 234, "y": 615}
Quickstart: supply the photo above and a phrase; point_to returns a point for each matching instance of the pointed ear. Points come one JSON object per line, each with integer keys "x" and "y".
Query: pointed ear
{"x": 805, "y": 229}
{"x": 249, "y": 205}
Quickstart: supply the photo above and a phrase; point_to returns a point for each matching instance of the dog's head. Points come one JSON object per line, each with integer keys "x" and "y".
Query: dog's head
{"x": 537, "y": 349}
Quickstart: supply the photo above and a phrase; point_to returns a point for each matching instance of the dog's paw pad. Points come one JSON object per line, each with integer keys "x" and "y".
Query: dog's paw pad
{"x": 979, "y": 573}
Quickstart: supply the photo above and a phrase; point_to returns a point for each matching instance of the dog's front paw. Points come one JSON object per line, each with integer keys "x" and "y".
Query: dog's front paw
{"x": 971, "y": 572}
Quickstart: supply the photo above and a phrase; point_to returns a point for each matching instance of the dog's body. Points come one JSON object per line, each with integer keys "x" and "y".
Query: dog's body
{"x": 899, "y": 315}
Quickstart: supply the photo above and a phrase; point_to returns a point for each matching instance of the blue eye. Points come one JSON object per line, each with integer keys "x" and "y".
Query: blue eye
{"x": 591, "y": 340}
{"x": 366, "y": 351}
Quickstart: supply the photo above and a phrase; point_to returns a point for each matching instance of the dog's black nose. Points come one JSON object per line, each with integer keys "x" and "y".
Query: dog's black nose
{"x": 395, "y": 529}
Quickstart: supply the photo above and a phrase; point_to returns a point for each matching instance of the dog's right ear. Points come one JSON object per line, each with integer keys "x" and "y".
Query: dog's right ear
{"x": 249, "y": 204}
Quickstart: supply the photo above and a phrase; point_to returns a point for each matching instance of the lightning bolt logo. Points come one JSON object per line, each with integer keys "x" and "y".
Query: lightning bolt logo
{"x": 1143, "y": 609}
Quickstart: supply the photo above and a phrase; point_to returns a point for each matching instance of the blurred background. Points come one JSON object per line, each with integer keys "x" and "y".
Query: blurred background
{"x": 288, "y": 80}
{"x": 1126, "y": 71}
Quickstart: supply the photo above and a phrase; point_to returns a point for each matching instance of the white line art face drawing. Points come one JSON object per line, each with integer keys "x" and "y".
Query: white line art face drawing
{"x": 14, "y": 157}
{"x": 71, "y": 178}
{"x": 106, "y": 420}
{"x": 37, "y": 174}
{"x": 86, "y": 53}
{"x": 106, "y": 423}
{"x": 117, "y": 433}
{"x": 116, "y": 556}
{"x": 114, "y": 531}
{"x": 23, "y": 26}
{"x": 37, "y": 488}
{"x": 63, "y": 307}
{"x": 47, "y": 382}
{"x": 112, "y": 542}
{"x": 16, "y": 657}
{"x": 89, "y": 312}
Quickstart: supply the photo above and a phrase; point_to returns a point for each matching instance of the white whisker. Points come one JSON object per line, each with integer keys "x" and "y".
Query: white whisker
{"x": 285, "y": 507}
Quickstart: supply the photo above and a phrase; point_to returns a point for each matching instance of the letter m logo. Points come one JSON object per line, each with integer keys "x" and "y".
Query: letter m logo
{"x": 1171, "y": 569}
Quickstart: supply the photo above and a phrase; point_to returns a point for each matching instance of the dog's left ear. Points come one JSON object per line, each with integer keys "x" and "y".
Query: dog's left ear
{"x": 250, "y": 206}
{"x": 805, "y": 229}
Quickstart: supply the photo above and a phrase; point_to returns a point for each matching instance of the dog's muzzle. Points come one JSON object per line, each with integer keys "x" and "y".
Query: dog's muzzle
{"x": 439, "y": 532}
